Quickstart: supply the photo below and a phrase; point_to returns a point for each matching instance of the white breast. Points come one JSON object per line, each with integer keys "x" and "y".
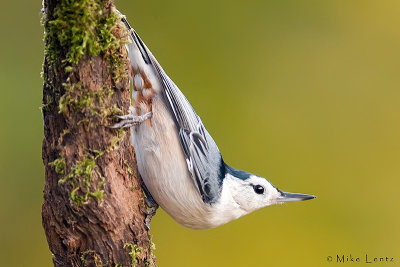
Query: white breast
{"x": 163, "y": 168}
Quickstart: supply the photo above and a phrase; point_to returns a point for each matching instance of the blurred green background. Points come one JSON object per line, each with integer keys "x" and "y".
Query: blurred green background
{"x": 305, "y": 93}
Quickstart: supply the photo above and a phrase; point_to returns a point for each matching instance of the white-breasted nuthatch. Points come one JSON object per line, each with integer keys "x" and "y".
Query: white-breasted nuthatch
{"x": 179, "y": 162}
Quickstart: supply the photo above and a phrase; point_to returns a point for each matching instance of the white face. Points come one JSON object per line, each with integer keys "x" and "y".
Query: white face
{"x": 243, "y": 196}
{"x": 253, "y": 193}
{"x": 240, "y": 197}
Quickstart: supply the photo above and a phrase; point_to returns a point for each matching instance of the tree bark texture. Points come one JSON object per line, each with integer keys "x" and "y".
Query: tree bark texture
{"x": 93, "y": 202}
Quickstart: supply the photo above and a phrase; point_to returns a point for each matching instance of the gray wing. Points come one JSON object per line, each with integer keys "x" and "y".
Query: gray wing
{"x": 203, "y": 158}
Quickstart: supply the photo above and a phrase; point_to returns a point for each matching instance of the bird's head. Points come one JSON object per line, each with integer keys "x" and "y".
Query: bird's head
{"x": 249, "y": 192}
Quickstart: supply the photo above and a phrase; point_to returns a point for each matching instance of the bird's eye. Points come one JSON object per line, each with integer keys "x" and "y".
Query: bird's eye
{"x": 258, "y": 189}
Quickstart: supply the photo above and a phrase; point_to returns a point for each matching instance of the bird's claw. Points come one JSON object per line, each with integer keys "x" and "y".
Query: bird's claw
{"x": 150, "y": 211}
{"x": 130, "y": 120}
{"x": 151, "y": 206}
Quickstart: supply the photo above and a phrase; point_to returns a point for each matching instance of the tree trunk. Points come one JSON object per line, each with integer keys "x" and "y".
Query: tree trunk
{"x": 92, "y": 210}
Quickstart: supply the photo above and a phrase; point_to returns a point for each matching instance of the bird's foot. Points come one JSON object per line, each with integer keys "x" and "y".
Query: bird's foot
{"x": 130, "y": 120}
{"x": 150, "y": 212}
{"x": 151, "y": 207}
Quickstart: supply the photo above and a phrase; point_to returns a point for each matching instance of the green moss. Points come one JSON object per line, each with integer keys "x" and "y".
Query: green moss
{"x": 152, "y": 246}
{"x": 90, "y": 103}
{"x": 59, "y": 166}
{"x": 115, "y": 141}
{"x": 46, "y": 105}
{"x": 76, "y": 31}
{"x": 83, "y": 258}
{"x": 134, "y": 252}
{"x": 81, "y": 175}
{"x": 78, "y": 98}
{"x": 80, "y": 178}
{"x": 80, "y": 28}
{"x": 129, "y": 168}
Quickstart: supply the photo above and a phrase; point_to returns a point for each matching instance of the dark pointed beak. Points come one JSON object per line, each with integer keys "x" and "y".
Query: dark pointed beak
{"x": 287, "y": 197}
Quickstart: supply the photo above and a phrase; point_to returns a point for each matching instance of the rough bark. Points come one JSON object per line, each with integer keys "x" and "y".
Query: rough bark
{"x": 92, "y": 210}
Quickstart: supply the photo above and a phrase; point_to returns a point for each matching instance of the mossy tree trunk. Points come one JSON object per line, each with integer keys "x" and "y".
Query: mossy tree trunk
{"x": 92, "y": 197}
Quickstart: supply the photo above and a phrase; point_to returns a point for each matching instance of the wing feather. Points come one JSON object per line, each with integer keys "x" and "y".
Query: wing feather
{"x": 202, "y": 154}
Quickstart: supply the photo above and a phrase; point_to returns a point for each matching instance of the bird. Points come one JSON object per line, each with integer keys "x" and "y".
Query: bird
{"x": 179, "y": 162}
